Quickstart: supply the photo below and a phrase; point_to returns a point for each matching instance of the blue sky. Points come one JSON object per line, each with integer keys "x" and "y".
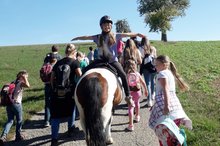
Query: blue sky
{"x": 25, "y": 22}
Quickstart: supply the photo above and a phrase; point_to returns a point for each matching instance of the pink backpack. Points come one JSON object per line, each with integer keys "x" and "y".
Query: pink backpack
{"x": 120, "y": 46}
{"x": 133, "y": 81}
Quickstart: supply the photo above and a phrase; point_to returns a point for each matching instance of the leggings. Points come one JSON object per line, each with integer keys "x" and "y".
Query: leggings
{"x": 123, "y": 77}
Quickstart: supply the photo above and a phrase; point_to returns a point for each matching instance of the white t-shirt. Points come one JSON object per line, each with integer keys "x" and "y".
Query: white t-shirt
{"x": 141, "y": 50}
{"x": 18, "y": 92}
{"x": 170, "y": 78}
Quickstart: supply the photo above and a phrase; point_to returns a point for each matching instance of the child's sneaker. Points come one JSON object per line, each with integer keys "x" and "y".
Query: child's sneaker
{"x": 130, "y": 128}
{"x": 137, "y": 119}
{"x": 20, "y": 137}
{"x": 54, "y": 142}
{"x": 150, "y": 103}
{"x": 3, "y": 139}
{"x": 47, "y": 124}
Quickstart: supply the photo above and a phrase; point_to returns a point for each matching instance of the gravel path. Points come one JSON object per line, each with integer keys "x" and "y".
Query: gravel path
{"x": 141, "y": 136}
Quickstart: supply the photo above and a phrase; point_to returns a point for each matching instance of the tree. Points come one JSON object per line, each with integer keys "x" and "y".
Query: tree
{"x": 159, "y": 14}
{"x": 122, "y": 26}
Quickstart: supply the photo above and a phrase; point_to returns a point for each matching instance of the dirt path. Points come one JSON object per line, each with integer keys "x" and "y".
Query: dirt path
{"x": 141, "y": 136}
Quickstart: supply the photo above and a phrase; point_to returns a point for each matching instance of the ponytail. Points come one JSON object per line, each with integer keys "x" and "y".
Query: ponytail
{"x": 180, "y": 82}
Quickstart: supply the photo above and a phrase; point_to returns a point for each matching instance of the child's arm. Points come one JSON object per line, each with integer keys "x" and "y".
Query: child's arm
{"x": 164, "y": 84}
{"x": 25, "y": 82}
{"x": 82, "y": 38}
{"x": 144, "y": 85}
{"x": 78, "y": 72}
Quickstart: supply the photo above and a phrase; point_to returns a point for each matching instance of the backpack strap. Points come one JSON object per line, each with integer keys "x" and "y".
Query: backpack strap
{"x": 13, "y": 97}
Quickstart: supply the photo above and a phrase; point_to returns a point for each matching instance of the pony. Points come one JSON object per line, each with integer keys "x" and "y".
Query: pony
{"x": 97, "y": 91}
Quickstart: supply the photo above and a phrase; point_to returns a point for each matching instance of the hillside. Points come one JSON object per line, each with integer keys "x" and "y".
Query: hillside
{"x": 197, "y": 62}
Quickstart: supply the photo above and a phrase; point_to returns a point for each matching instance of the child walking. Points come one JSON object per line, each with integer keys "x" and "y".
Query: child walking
{"x": 15, "y": 109}
{"x": 166, "y": 100}
{"x": 134, "y": 81}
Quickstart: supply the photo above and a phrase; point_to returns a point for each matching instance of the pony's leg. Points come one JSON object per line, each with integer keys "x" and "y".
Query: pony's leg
{"x": 107, "y": 119}
{"x": 109, "y": 139}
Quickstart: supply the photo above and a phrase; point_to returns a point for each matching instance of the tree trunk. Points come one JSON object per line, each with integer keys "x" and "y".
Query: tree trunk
{"x": 164, "y": 36}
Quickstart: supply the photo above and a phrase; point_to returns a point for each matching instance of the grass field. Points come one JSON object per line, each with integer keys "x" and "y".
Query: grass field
{"x": 197, "y": 62}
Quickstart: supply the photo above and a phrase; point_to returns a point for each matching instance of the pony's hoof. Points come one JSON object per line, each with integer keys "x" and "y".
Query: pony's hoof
{"x": 109, "y": 141}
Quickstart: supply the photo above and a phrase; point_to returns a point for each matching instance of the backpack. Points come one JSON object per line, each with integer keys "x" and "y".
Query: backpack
{"x": 167, "y": 129}
{"x": 63, "y": 79}
{"x": 148, "y": 64}
{"x": 7, "y": 92}
{"x": 133, "y": 81}
{"x": 45, "y": 72}
{"x": 120, "y": 46}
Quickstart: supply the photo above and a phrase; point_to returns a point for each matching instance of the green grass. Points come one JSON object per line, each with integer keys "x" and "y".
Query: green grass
{"x": 197, "y": 62}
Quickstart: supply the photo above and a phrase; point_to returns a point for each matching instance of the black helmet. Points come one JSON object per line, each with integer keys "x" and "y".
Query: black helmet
{"x": 105, "y": 19}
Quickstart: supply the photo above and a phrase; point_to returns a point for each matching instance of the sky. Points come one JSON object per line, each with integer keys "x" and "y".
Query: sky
{"x": 29, "y": 22}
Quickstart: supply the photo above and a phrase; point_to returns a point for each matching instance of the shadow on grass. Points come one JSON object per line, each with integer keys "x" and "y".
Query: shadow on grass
{"x": 34, "y": 89}
{"x": 33, "y": 98}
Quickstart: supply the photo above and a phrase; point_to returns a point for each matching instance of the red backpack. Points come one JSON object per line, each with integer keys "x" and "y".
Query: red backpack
{"x": 7, "y": 92}
{"x": 45, "y": 72}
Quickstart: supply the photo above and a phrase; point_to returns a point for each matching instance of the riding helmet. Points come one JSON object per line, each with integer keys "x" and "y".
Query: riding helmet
{"x": 105, "y": 19}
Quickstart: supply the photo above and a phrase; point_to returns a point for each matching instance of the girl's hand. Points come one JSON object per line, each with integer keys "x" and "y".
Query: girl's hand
{"x": 25, "y": 76}
{"x": 166, "y": 111}
{"x": 74, "y": 39}
{"x": 141, "y": 35}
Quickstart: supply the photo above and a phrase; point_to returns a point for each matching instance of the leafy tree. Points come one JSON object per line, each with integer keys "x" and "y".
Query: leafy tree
{"x": 122, "y": 26}
{"x": 159, "y": 13}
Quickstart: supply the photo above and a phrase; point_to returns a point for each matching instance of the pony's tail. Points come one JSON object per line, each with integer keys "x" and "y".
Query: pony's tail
{"x": 92, "y": 110}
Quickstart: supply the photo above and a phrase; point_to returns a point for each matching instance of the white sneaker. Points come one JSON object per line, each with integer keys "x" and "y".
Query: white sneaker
{"x": 150, "y": 103}
{"x": 137, "y": 119}
{"x": 153, "y": 95}
{"x": 47, "y": 124}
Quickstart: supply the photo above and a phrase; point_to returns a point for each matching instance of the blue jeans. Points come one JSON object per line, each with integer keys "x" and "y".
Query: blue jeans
{"x": 149, "y": 80}
{"x": 55, "y": 124}
{"x": 14, "y": 110}
{"x": 47, "y": 93}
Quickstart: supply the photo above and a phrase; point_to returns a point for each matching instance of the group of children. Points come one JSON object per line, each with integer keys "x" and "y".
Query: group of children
{"x": 166, "y": 101}
{"x": 165, "y": 94}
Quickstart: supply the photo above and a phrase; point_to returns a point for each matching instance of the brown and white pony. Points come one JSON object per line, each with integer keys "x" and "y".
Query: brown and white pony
{"x": 96, "y": 93}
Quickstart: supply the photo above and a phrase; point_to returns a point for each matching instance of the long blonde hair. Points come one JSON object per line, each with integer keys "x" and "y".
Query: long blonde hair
{"x": 131, "y": 66}
{"x": 110, "y": 36}
{"x": 145, "y": 44}
{"x": 107, "y": 55}
{"x": 180, "y": 82}
{"x": 130, "y": 51}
